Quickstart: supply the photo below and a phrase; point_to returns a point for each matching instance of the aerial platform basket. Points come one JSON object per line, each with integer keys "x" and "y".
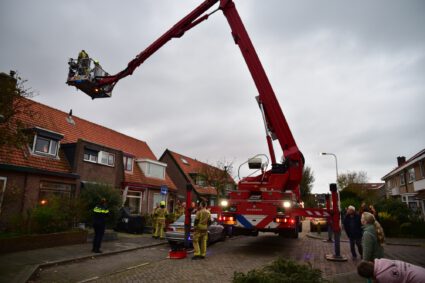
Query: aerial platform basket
{"x": 85, "y": 76}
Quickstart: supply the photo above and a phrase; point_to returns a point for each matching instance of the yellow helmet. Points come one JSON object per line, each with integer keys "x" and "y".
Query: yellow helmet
{"x": 162, "y": 203}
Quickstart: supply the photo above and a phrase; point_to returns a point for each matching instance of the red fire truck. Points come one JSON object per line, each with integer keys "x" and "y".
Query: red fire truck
{"x": 267, "y": 202}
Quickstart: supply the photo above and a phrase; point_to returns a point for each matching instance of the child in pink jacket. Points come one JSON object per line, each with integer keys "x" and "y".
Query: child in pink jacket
{"x": 391, "y": 271}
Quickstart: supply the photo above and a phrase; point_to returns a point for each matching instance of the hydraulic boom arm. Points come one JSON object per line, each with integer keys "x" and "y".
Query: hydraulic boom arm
{"x": 274, "y": 120}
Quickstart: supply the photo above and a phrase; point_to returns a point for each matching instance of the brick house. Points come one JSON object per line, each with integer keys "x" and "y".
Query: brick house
{"x": 66, "y": 152}
{"x": 372, "y": 190}
{"x": 204, "y": 178}
{"x": 407, "y": 181}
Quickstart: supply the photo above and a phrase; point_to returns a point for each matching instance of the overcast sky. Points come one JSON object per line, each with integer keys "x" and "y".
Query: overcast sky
{"x": 349, "y": 75}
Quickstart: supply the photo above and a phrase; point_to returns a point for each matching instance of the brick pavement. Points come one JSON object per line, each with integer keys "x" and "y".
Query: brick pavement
{"x": 240, "y": 254}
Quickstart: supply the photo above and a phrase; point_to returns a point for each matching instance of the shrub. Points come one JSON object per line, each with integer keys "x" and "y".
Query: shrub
{"x": 391, "y": 226}
{"x": 281, "y": 270}
{"x": 397, "y": 209}
{"x": 91, "y": 195}
{"x": 406, "y": 228}
{"x": 147, "y": 219}
{"x": 57, "y": 215}
{"x": 413, "y": 229}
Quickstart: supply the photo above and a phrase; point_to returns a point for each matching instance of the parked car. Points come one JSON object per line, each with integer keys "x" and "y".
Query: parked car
{"x": 316, "y": 223}
{"x": 175, "y": 231}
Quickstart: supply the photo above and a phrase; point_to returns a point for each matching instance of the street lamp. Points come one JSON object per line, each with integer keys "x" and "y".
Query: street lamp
{"x": 336, "y": 218}
{"x": 336, "y": 163}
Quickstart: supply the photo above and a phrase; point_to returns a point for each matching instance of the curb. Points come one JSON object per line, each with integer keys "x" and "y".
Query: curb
{"x": 37, "y": 267}
{"x": 386, "y": 243}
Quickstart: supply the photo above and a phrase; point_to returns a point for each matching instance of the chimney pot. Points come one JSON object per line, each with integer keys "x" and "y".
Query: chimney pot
{"x": 401, "y": 160}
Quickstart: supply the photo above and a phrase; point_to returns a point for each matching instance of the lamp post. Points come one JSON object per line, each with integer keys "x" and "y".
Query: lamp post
{"x": 336, "y": 217}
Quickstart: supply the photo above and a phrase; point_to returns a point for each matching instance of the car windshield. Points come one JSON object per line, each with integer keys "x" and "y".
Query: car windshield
{"x": 180, "y": 220}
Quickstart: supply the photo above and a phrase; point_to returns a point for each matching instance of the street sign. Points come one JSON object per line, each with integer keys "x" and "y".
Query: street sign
{"x": 164, "y": 190}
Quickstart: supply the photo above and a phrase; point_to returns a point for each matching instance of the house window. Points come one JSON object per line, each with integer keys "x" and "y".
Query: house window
{"x": 157, "y": 198}
{"x": 134, "y": 202}
{"x": 389, "y": 183}
{"x": 45, "y": 146}
{"x": 106, "y": 158}
{"x": 152, "y": 168}
{"x": 90, "y": 155}
{"x": 101, "y": 157}
{"x": 402, "y": 180}
{"x": 184, "y": 161}
{"x": 411, "y": 174}
{"x": 422, "y": 166}
{"x": 49, "y": 189}
{"x": 198, "y": 179}
{"x": 128, "y": 163}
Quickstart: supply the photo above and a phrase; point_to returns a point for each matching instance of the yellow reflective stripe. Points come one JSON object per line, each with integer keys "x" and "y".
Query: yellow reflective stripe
{"x": 99, "y": 210}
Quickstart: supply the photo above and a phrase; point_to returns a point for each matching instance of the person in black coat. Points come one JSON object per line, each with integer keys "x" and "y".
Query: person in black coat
{"x": 353, "y": 229}
{"x": 99, "y": 223}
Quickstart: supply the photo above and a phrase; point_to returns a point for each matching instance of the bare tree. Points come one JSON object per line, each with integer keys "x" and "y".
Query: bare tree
{"x": 14, "y": 110}
{"x": 218, "y": 176}
{"x": 352, "y": 177}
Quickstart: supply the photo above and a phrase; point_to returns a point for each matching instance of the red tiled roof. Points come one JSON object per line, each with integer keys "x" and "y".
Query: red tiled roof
{"x": 190, "y": 165}
{"x": 410, "y": 161}
{"x": 205, "y": 190}
{"x": 55, "y": 120}
{"x": 367, "y": 186}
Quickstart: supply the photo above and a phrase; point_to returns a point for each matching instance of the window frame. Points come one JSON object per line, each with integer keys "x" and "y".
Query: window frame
{"x": 53, "y": 149}
{"x": 101, "y": 157}
{"x": 145, "y": 166}
{"x": 140, "y": 197}
{"x": 90, "y": 153}
{"x": 411, "y": 175}
{"x": 2, "y": 190}
{"x": 63, "y": 190}
{"x": 402, "y": 179}
{"x": 126, "y": 160}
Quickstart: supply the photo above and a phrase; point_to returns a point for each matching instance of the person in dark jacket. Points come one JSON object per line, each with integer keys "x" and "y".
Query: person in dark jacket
{"x": 99, "y": 223}
{"x": 353, "y": 229}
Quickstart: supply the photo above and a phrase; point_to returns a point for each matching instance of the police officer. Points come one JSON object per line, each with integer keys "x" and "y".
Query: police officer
{"x": 99, "y": 222}
{"x": 200, "y": 237}
{"x": 160, "y": 215}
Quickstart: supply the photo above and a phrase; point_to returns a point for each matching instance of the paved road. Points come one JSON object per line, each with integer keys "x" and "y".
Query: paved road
{"x": 223, "y": 259}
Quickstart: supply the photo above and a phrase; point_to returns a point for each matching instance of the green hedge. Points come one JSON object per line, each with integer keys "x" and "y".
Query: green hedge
{"x": 281, "y": 270}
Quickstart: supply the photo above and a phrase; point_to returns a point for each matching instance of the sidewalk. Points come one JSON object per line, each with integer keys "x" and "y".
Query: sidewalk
{"x": 388, "y": 241}
{"x": 20, "y": 266}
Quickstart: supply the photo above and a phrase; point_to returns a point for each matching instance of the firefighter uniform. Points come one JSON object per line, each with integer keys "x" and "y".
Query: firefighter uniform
{"x": 200, "y": 237}
{"x": 83, "y": 63}
{"x": 160, "y": 214}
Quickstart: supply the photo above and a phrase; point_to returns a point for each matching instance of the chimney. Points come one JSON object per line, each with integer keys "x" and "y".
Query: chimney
{"x": 401, "y": 160}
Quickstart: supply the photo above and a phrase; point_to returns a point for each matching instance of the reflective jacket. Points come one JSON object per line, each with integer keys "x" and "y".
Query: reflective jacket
{"x": 160, "y": 213}
{"x": 202, "y": 219}
{"x": 100, "y": 212}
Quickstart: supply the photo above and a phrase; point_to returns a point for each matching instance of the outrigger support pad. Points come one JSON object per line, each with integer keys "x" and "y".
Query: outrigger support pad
{"x": 85, "y": 76}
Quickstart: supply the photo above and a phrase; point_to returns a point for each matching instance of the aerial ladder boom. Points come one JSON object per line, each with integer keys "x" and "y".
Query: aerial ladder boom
{"x": 274, "y": 120}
